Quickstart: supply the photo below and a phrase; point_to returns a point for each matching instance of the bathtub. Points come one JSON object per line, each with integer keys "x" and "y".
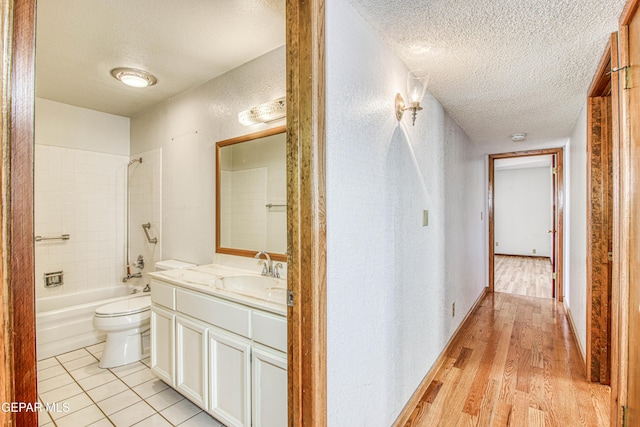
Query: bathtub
{"x": 64, "y": 323}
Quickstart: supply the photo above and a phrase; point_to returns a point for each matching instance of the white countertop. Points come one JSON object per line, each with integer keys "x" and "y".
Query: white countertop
{"x": 207, "y": 279}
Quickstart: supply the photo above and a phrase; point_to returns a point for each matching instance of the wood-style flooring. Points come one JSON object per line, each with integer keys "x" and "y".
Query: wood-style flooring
{"x": 523, "y": 275}
{"x": 513, "y": 363}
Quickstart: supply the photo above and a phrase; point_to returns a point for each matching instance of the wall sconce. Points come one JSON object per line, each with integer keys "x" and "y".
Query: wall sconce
{"x": 416, "y": 87}
{"x": 264, "y": 113}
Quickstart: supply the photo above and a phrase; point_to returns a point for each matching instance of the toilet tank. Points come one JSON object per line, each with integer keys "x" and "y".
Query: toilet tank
{"x": 172, "y": 264}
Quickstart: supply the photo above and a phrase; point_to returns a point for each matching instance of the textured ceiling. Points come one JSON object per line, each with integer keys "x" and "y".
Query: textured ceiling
{"x": 183, "y": 43}
{"x": 501, "y": 66}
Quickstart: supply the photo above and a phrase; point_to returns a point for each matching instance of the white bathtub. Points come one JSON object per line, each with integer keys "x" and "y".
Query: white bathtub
{"x": 64, "y": 323}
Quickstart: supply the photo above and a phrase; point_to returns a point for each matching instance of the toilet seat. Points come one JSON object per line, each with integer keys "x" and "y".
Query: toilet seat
{"x": 126, "y": 307}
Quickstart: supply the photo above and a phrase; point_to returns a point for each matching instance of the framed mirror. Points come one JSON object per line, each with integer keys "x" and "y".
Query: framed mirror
{"x": 251, "y": 194}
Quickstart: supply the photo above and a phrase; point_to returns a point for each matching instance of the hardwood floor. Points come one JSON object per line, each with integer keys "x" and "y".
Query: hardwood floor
{"x": 514, "y": 363}
{"x": 523, "y": 275}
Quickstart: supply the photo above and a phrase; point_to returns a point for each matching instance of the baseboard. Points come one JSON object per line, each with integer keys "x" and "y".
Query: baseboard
{"x": 575, "y": 337}
{"x": 413, "y": 402}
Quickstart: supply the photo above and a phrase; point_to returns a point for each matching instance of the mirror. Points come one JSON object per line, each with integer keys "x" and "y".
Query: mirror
{"x": 251, "y": 194}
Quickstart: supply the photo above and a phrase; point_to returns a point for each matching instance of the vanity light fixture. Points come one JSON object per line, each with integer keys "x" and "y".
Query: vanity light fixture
{"x": 263, "y": 113}
{"x": 134, "y": 77}
{"x": 416, "y": 87}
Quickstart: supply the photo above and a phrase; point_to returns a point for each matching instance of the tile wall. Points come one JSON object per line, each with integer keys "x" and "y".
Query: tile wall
{"x": 80, "y": 193}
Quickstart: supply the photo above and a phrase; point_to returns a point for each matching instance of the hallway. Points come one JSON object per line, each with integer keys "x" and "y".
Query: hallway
{"x": 523, "y": 275}
{"x": 513, "y": 363}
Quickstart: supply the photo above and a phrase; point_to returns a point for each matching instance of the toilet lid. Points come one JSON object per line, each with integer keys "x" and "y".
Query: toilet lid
{"x": 125, "y": 306}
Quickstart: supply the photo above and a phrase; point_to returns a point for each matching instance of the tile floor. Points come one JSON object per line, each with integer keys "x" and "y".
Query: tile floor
{"x": 124, "y": 396}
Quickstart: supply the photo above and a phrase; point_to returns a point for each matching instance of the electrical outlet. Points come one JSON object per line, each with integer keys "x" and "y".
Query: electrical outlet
{"x": 425, "y": 218}
{"x": 497, "y": 244}
{"x": 481, "y": 216}
{"x": 534, "y": 251}
{"x": 453, "y": 310}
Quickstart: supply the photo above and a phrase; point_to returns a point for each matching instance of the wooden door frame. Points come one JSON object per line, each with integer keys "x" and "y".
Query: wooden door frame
{"x": 18, "y": 335}
{"x": 306, "y": 234}
{"x": 559, "y": 201}
{"x": 602, "y": 139}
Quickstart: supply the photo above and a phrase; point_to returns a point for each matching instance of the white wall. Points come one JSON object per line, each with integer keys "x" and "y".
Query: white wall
{"x": 575, "y": 283}
{"x": 390, "y": 281}
{"x": 80, "y": 189}
{"x": 523, "y": 211}
{"x": 187, "y": 128}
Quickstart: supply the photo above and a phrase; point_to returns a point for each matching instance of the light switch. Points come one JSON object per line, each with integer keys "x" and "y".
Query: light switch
{"x": 425, "y": 218}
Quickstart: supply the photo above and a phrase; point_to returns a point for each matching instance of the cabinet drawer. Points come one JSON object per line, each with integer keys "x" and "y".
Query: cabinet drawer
{"x": 270, "y": 330}
{"x": 225, "y": 315}
{"x": 163, "y": 294}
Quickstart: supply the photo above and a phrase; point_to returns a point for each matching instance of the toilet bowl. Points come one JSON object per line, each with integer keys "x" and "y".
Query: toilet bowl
{"x": 125, "y": 322}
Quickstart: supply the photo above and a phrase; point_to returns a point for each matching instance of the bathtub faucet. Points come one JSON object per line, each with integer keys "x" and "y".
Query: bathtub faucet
{"x": 131, "y": 276}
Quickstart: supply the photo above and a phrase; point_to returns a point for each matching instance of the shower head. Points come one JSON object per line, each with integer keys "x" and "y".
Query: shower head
{"x": 138, "y": 160}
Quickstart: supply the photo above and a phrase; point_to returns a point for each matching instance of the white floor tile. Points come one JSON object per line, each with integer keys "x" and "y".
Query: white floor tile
{"x": 87, "y": 371}
{"x": 80, "y": 362}
{"x": 202, "y": 420}
{"x": 96, "y": 348}
{"x": 118, "y": 402}
{"x": 131, "y": 415}
{"x": 107, "y": 390}
{"x": 102, "y": 423}
{"x": 147, "y": 361}
{"x": 138, "y": 377}
{"x": 97, "y": 380}
{"x": 47, "y": 363}
{"x": 53, "y": 383}
{"x": 76, "y": 354}
{"x": 61, "y": 393}
{"x": 54, "y": 371}
{"x": 180, "y": 412}
{"x": 74, "y": 404}
{"x": 82, "y": 418}
{"x": 124, "y": 370}
{"x": 43, "y": 418}
{"x": 164, "y": 399}
{"x": 154, "y": 421}
{"x": 150, "y": 388}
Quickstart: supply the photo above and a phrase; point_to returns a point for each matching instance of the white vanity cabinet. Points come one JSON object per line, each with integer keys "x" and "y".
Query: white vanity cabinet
{"x": 162, "y": 345}
{"x": 191, "y": 360}
{"x": 226, "y": 357}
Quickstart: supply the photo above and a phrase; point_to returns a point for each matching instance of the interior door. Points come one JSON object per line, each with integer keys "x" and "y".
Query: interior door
{"x": 554, "y": 225}
{"x": 631, "y": 135}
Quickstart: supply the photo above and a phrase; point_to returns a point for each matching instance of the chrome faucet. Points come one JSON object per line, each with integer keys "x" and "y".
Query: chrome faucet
{"x": 132, "y": 276}
{"x": 267, "y": 269}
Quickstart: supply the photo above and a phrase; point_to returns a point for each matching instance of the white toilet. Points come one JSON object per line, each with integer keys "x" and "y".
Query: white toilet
{"x": 126, "y": 323}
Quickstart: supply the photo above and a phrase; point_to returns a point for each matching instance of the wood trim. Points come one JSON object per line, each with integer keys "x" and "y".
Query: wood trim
{"x": 409, "y": 412}
{"x": 573, "y": 328}
{"x": 627, "y": 13}
{"x": 225, "y": 143}
{"x": 559, "y": 213}
{"x": 306, "y": 194}
{"x": 17, "y": 211}
{"x": 601, "y": 83}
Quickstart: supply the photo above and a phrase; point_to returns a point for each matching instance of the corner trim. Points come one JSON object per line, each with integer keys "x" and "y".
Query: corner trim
{"x": 405, "y": 417}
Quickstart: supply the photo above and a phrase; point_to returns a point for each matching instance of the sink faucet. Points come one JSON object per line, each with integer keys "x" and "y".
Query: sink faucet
{"x": 131, "y": 276}
{"x": 267, "y": 270}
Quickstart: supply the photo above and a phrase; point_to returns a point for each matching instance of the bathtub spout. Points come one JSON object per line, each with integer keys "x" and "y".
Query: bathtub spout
{"x": 131, "y": 276}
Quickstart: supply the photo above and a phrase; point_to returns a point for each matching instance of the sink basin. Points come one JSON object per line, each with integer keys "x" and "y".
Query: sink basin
{"x": 264, "y": 288}
{"x": 193, "y": 277}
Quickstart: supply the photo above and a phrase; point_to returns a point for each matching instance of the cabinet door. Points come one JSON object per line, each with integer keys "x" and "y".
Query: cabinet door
{"x": 269, "y": 388}
{"x": 162, "y": 335}
{"x": 191, "y": 360}
{"x": 229, "y": 378}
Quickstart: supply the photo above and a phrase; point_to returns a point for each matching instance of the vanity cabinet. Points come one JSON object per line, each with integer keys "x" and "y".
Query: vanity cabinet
{"x": 228, "y": 358}
{"x": 191, "y": 360}
{"x": 162, "y": 345}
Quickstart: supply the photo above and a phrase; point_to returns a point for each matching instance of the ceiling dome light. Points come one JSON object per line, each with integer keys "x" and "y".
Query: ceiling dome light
{"x": 134, "y": 77}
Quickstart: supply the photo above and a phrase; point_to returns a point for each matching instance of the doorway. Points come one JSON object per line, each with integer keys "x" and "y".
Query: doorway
{"x": 554, "y": 157}
{"x": 523, "y": 217}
